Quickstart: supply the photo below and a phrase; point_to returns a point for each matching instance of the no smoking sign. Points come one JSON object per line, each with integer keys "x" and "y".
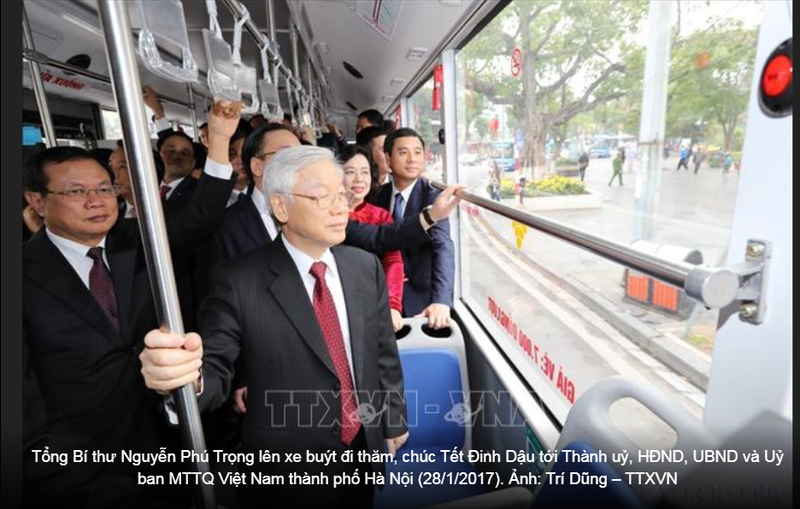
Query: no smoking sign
{"x": 516, "y": 62}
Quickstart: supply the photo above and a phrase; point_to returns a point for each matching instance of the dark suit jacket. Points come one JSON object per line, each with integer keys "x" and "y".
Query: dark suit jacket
{"x": 84, "y": 387}
{"x": 243, "y": 231}
{"x": 258, "y": 308}
{"x": 88, "y": 373}
{"x": 197, "y": 206}
{"x": 88, "y": 381}
{"x": 430, "y": 267}
{"x": 183, "y": 193}
{"x": 85, "y": 485}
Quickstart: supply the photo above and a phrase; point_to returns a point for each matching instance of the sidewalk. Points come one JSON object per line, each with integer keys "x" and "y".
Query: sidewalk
{"x": 598, "y": 284}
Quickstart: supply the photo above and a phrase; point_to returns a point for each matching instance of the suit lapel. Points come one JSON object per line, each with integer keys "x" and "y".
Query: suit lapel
{"x": 179, "y": 195}
{"x": 288, "y": 289}
{"x": 414, "y": 204}
{"x": 254, "y": 226}
{"x": 48, "y": 267}
{"x": 123, "y": 264}
{"x": 350, "y": 277}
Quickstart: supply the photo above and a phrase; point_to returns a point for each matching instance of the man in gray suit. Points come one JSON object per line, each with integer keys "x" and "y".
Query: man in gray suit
{"x": 312, "y": 319}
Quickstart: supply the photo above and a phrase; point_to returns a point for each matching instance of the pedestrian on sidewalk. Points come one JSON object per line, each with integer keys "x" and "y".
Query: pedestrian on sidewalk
{"x": 699, "y": 157}
{"x": 520, "y": 187}
{"x": 583, "y": 163}
{"x": 726, "y": 166}
{"x": 684, "y": 158}
{"x": 494, "y": 181}
{"x": 617, "y": 165}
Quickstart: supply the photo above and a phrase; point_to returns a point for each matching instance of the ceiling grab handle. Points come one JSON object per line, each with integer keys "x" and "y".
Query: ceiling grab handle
{"x": 268, "y": 91}
{"x": 289, "y": 94}
{"x": 163, "y": 23}
{"x": 221, "y": 72}
{"x": 246, "y": 77}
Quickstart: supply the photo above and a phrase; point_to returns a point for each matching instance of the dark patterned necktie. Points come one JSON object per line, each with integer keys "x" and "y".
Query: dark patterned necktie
{"x": 163, "y": 190}
{"x": 102, "y": 287}
{"x": 328, "y": 319}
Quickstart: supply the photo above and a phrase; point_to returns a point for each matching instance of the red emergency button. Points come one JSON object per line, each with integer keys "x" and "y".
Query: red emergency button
{"x": 775, "y": 85}
{"x": 777, "y": 76}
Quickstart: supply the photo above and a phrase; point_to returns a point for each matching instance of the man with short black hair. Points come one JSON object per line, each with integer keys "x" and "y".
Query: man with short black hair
{"x": 178, "y": 153}
{"x": 430, "y": 267}
{"x": 235, "y": 157}
{"x": 91, "y": 278}
{"x": 367, "y": 118}
{"x": 312, "y": 319}
{"x": 372, "y": 138}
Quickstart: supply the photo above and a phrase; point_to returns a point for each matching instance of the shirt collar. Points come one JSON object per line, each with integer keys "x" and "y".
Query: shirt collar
{"x": 71, "y": 248}
{"x": 303, "y": 261}
{"x": 405, "y": 192}
{"x": 260, "y": 201}
{"x": 174, "y": 183}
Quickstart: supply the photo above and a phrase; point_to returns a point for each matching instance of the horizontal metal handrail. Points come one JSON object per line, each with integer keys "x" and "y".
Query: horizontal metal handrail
{"x": 714, "y": 287}
{"x": 235, "y": 7}
{"x": 43, "y": 59}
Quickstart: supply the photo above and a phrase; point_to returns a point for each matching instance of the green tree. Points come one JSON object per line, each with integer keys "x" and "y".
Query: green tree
{"x": 575, "y": 57}
{"x": 710, "y": 76}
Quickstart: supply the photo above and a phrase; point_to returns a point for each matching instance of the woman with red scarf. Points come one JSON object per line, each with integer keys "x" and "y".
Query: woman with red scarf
{"x": 360, "y": 182}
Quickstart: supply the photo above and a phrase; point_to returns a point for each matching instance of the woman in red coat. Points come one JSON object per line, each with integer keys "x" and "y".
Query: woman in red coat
{"x": 360, "y": 182}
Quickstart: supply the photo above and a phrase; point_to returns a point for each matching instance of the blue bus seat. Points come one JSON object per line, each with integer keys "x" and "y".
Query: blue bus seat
{"x": 436, "y": 391}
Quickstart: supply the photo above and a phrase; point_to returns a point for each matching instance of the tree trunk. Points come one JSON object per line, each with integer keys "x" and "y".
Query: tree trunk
{"x": 728, "y": 129}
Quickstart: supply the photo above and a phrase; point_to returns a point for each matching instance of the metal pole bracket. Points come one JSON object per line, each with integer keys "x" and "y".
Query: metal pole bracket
{"x": 718, "y": 287}
{"x": 753, "y": 274}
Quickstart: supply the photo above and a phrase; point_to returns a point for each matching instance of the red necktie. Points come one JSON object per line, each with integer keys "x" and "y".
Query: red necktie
{"x": 328, "y": 319}
{"x": 102, "y": 287}
{"x": 164, "y": 189}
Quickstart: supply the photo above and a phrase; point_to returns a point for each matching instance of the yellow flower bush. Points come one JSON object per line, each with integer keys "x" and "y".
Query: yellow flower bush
{"x": 558, "y": 184}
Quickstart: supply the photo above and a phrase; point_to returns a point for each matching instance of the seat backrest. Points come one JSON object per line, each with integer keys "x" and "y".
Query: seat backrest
{"x": 617, "y": 494}
{"x": 436, "y": 386}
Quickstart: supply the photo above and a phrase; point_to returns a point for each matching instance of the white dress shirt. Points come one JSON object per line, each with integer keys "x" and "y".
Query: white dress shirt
{"x": 129, "y": 210}
{"x": 260, "y": 201}
{"x": 406, "y": 195}
{"x": 303, "y": 263}
{"x": 162, "y": 124}
{"x": 75, "y": 253}
{"x": 234, "y": 197}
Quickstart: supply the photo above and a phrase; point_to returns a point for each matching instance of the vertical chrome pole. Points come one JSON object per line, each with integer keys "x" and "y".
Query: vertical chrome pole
{"x": 449, "y": 121}
{"x": 653, "y": 122}
{"x": 273, "y": 37}
{"x": 128, "y": 93}
{"x": 36, "y": 83}
{"x": 295, "y": 55}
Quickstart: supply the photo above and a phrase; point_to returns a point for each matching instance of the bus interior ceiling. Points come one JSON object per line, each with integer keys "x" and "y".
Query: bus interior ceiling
{"x": 334, "y": 30}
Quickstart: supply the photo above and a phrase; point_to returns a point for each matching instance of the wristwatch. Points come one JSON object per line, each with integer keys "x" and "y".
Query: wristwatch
{"x": 426, "y": 213}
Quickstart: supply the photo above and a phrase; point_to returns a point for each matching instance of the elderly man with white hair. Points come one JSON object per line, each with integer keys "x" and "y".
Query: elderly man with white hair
{"x": 311, "y": 318}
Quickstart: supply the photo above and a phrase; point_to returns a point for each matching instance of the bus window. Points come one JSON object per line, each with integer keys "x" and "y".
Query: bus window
{"x": 558, "y": 81}
{"x": 427, "y": 122}
{"x": 112, "y": 127}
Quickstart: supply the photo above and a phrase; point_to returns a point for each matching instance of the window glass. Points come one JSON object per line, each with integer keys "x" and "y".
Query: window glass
{"x": 549, "y": 106}
{"x": 427, "y": 122}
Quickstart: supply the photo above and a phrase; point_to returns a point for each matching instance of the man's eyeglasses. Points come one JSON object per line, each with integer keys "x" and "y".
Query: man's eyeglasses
{"x": 81, "y": 193}
{"x": 324, "y": 202}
